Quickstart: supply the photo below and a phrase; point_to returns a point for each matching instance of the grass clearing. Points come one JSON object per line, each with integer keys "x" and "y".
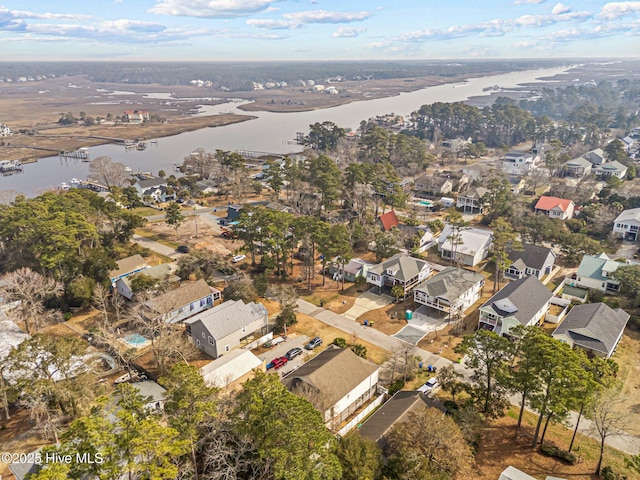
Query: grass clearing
{"x": 156, "y": 237}
{"x": 146, "y": 211}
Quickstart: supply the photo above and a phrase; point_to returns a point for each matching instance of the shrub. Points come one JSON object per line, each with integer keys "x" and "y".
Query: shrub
{"x": 396, "y": 386}
{"x": 550, "y": 449}
{"x": 451, "y": 406}
{"x": 339, "y": 342}
{"x": 607, "y": 473}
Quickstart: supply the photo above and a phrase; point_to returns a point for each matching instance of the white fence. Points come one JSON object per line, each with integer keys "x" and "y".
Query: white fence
{"x": 360, "y": 416}
{"x": 262, "y": 340}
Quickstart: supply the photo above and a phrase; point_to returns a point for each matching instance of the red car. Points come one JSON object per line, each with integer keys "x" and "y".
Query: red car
{"x": 279, "y": 362}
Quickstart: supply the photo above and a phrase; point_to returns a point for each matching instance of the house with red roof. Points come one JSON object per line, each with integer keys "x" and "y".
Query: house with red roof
{"x": 555, "y": 207}
{"x": 388, "y": 220}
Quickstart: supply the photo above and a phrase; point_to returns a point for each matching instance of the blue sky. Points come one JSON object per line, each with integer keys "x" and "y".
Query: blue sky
{"x": 211, "y": 30}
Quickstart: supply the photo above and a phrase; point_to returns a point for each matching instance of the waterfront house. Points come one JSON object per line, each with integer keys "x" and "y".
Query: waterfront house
{"x": 184, "y": 302}
{"x": 402, "y": 270}
{"x": 522, "y": 302}
{"x": 594, "y": 327}
{"x": 337, "y": 382}
{"x": 227, "y": 326}
{"x": 530, "y": 260}
{"x": 136, "y": 116}
{"x": 154, "y": 188}
{"x": 627, "y": 224}
{"x": 472, "y": 200}
{"x": 594, "y": 273}
{"x": 469, "y": 247}
{"x": 555, "y": 207}
{"x": 453, "y": 291}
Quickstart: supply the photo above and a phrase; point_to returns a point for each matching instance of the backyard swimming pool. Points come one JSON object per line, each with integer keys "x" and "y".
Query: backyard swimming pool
{"x": 426, "y": 203}
{"x": 136, "y": 340}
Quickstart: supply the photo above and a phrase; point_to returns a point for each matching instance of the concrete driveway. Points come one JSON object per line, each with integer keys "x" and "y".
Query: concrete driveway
{"x": 410, "y": 334}
{"x": 282, "y": 348}
{"x": 366, "y": 302}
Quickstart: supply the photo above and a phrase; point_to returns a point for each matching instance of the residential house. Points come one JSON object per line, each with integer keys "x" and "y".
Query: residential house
{"x": 596, "y": 156}
{"x": 477, "y": 171}
{"x": 453, "y": 291}
{"x": 154, "y": 188}
{"x": 162, "y": 273}
{"x": 594, "y": 273}
{"x": 184, "y": 302}
{"x": 467, "y": 246}
{"x": 456, "y": 145}
{"x": 279, "y": 207}
{"x": 355, "y": 268}
{"x": 512, "y": 473}
{"x": 127, "y": 266}
{"x": 235, "y": 365}
{"x": 517, "y": 184}
{"x": 402, "y": 270}
{"x": 611, "y": 169}
{"x": 517, "y": 162}
{"x": 388, "y": 220}
{"x": 416, "y": 239}
{"x": 233, "y": 213}
{"x": 222, "y": 328}
{"x": 337, "y": 382}
{"x": 630, "y": 143}
{"x": 577, "y": 168}
{"x": 154, "y": 394}
{"x": 136, "y": 116}
{"x": 396, "y": 410}
{"x": 5, "y": 131}
{"x": 594, "y": 327}
{"x": 432, "y": 186}
{"x": 627, "y": 224}
{"x": 472, "y": 200}
{"x": 522, "y": 302}
{"x": 555, "y": 207}
{"x": 530, "y": 260}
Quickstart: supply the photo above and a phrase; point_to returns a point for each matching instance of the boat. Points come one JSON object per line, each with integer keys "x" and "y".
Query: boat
{"x": 141, "y": 146}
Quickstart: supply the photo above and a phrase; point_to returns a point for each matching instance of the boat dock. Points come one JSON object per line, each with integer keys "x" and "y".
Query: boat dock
{"x": 7, "y": 167}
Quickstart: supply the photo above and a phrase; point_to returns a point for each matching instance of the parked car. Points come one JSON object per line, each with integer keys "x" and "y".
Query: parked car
{"x": 279, "y": 362}
{"x": 313, "y": 343}
{"x": 293, "y": 353}
{"x": 183, "y": 249}
{"x": 431, "y": 384}
{"x": 238, "y": 258}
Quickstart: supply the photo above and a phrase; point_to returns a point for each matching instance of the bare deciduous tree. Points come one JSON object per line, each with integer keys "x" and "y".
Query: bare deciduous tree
{"x": 109, "y": 173}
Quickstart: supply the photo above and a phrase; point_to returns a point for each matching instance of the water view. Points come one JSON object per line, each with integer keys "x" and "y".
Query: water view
{"x": 270, "y": 132}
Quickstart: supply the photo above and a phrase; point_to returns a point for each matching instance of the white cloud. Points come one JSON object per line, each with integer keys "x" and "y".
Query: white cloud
{"x": 210, "y": 8}
{"x": 5, "y": 13}
{"x": 560, "y": 8}
{"x": 613, "y": 10}
{"x": 273, "y": 24}
{"x": 348, "y": 32}
{"x": 530, "y": 2}
{"x": 324, "y": 16}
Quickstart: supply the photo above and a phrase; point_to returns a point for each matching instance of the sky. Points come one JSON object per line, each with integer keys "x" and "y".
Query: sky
{"x": 250, "y": 30}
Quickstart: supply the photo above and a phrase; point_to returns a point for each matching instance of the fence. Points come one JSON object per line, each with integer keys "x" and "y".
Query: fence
{"x": 360, "y": 416}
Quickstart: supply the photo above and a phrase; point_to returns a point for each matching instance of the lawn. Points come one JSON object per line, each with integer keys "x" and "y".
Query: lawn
{"x": 146, "y": 211}
{"x": 333, "y": 297}
{"x": 156, "y": 237}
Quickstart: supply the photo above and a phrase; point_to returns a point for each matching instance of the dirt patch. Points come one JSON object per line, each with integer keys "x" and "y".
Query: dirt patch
{"x": 332, "y": 297}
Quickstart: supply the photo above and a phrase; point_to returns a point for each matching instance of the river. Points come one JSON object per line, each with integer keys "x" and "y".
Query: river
{"x": 270, "y": 132}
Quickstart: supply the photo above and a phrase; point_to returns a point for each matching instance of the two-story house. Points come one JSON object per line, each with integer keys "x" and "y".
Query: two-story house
{"x": 161, "y": 273}
{"x": 453, "y": 291}
{"x": 594, "y": 273}
{"x": 523, "y": 302}
{"x": 432, "y": 186}
{"x": 576, "y": 168}
{"x": 402, "y": 270}
{"x": 127, "y": 266}
{"x": 184, "y": 302}
{"x": 227, "y": 326}
{"x": 472, "y": 200}
{"x": 627, "y": 224}
{"x": 555, "y": 207}
{"x": 517, "y": 162}
{"x": 467, "y": 246}
{"x": 530, "y": 260}
{"x": 154, "y": 188}
{"x": 336, "y": 382}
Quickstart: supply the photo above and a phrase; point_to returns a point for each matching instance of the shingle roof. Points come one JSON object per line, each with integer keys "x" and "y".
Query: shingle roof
{"x": 405, "y": 266}
{"x": 631, "y": 214}
{"x": 152, "y": 182}
{"x": 475, "y": 193}
{"x": 527, "y": 296}
{"x": 614, "y": 166}
{"x": 389, "y": 220}
{"x": 548, "y": 203}
{"x": 450, "y": 283}
{"x": 595, "y": 326}
{"x": 229, "y": 317}
{"x": 578, "y": 162}
{"x": 531, "y": 256}
{"x": 160, "y": 272}
{"x": 181, "y": 296}
{"x": 127, "y": 265}
{"x": 329, "y": 376}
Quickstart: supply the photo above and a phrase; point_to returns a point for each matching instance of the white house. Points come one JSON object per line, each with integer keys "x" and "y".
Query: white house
{"x": 221, "y": 329}
{"x": 127, "y": 266}
{"x": 468, "y": 246}
{"x": 530, "y": 260}
{"x": 155, "y": 188}
{"x": 5, "y": 131}
{"x": 523, "y": 302}
{"x": 627, "y": 224}
{"x": 184, "y": 302}
{"x": 227, "y": 369}
{"x": 555, "y": 207}
{"x": 594, "y": 273}
{"x": 520, "y": 163}
{"x": 162, "y": 273}
{"x": 402, "y": 270}
{"x": 471, "y": 200}
{"x": 453, "y": 291}
{"x": 337, "y": 382}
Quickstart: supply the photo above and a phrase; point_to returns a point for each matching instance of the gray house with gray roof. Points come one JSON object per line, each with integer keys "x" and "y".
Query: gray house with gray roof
{"x": 402, "y": 270}
{"x": 523, "y": 302}
{"x": 530, "y": 260}
{"x": 227, "y": 326}
{"x": 594, "y": 327}
{"x": 452, "y": 291}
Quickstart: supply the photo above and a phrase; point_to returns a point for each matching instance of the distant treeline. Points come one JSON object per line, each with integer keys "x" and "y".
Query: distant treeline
{"x": 240, "y": 75}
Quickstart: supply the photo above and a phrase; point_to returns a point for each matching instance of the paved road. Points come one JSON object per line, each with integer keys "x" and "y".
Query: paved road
{"x": 156, "y": 247}
{"x": 625, "y": 442}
